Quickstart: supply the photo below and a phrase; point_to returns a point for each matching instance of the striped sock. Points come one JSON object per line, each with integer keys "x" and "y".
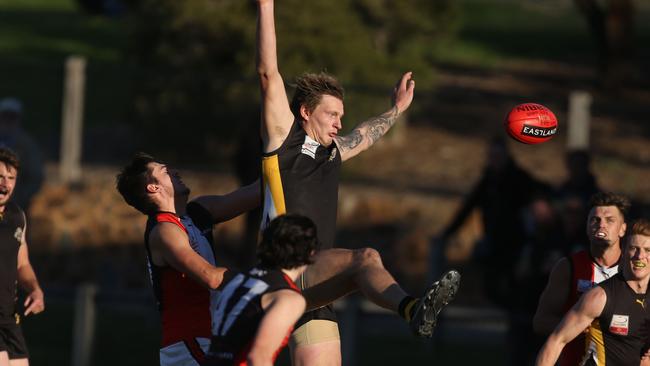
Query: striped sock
{"x": 406, "y": 307}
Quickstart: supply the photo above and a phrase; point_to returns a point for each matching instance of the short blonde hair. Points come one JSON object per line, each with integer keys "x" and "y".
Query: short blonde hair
{"x": 311, "y": 87}
{"x": 640, "y": 227}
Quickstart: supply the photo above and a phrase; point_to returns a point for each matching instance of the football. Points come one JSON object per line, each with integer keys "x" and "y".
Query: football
{"x": 531, "y": 123}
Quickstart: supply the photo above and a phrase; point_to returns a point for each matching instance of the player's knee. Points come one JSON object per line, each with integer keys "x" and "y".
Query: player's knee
{"x": 366, "y": 257}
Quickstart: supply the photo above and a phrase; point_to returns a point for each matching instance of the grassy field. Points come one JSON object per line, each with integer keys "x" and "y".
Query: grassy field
{"x": 496, "y": 31}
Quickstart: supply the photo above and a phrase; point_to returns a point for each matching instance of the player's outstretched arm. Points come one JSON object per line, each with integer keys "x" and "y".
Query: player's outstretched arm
{"x": 283, "y": 309}
{"x": 551, "y": 306}
{"x": 169, "y": 246}
{"x": 35, "y": 300}
{"x": 276, "y": 113}
{"x": 366, "y": 133}
{"x": 225, "y": 207}
{"x": 589, "y": 307}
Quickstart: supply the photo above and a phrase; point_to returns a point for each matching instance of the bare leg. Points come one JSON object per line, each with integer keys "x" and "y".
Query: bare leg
{"x": 338, "y": 272}
{"x": 319, "y": 354}
{"x": 334, "y": 274}
{"x": 4, "y": 358}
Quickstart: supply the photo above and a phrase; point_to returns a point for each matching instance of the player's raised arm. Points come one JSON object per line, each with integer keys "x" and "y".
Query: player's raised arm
{"x": 589, "y": 307}
{"x": 368, "y": 132}
{"x": 276, "y": 114}
{"x": 228, "y": 206}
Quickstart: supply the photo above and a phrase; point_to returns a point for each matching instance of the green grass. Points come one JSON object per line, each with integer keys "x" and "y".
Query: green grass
{"x": 496, "y": 31}
{"x": 36, "y": 36}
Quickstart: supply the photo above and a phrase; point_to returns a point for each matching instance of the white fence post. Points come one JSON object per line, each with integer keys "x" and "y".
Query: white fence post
{"x": 579, "y": 120}
{"x": 72, "y": 119}
{"x": 84, "y": 325}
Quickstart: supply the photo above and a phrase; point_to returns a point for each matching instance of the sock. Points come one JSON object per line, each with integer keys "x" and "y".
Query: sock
{"x": 406, "y": 307}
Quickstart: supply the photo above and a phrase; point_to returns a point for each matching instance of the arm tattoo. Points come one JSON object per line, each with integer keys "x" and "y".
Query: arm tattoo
{"x": 350, "y": 141}
{"x": 379, "y": 125}
{"x": 368, "y": 131}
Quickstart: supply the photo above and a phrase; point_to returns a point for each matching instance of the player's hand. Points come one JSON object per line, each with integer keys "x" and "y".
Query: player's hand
{"x": 35, "y": 302}
{"x": 403, "y": 92}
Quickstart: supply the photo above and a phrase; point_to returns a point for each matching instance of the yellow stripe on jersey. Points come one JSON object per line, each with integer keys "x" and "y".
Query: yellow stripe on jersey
{"x": 596, "y": 343}
{"x": 273, "y": 185}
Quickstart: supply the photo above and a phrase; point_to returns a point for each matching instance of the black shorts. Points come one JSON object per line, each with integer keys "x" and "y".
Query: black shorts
{"x": 12, "y": 341}
{"x": 324, "y": 313}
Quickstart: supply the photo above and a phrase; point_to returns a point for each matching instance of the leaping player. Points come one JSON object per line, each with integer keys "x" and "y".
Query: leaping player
{"x": 302, "y": 155}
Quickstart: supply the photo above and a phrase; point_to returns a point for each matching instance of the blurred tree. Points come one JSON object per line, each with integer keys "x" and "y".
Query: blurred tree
{"x": 193, "y": 60}
{"x": 399, "y": 23}
{"x": 196, "y": 86}
{"x": 612, "y": 25}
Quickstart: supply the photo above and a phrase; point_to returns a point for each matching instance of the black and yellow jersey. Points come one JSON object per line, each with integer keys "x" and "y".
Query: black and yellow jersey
{"x": 302, "y": 177}
{"x": 619, "y": 335}
{"x": 12, "y": 228}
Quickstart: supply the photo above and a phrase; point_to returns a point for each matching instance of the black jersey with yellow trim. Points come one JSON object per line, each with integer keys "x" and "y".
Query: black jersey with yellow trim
{"x": 619, "y": 335}
{"x": 12, "y": 228}
{"x": 302, "y": 177}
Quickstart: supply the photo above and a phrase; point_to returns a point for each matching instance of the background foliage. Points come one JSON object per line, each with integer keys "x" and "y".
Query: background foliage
{"x": 195, "y": 78}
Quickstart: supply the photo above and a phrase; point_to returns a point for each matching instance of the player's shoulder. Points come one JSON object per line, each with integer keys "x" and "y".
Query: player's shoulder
{"x": 287, "y": 297}
{"x": 166, "y": 231}
{"x": 596, "y": 293}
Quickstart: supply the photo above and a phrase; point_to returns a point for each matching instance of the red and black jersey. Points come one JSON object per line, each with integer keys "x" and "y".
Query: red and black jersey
{"x": 183, "y": 303}
{"x": 585, "y": 274}
{"x": 238, "y": 314}
{"x": 12, "y": 228}
{"x": 619, "y": 335}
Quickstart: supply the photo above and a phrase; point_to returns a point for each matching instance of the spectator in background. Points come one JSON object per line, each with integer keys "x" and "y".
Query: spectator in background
{"x": 544, "y": 246}
{"x": 572, "y": 213}
{"x": 580, "y": 181}
{"x": 502, "y": 194}
{"x": 13, "y": 136}
{"x": 573, "y": 199}
{"x": 516, "y": 211}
